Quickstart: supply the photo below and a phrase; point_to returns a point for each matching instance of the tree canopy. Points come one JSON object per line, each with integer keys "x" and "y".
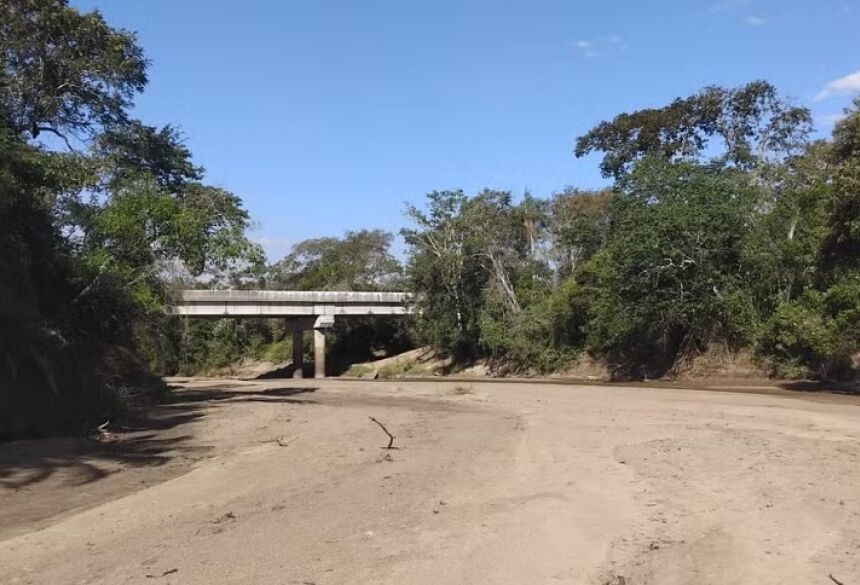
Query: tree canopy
{"x": 65, "y": 72}
{"x": 94, "y": 222}
{"x": 752, "y": 124}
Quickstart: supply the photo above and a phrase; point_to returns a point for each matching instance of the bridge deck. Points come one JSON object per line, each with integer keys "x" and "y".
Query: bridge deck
{"x": 278, "y": 303}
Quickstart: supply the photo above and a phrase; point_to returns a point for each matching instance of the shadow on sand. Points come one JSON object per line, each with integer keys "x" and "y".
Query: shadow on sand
{"x": 153, "y": 438}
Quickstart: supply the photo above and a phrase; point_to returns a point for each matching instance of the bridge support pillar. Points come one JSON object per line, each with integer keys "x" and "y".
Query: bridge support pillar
{"x": 298, "y": 352}
{"x": 319, "y": 353}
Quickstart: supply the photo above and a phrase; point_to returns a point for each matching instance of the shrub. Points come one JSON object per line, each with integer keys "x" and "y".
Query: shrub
{"x": 817, "y": 334}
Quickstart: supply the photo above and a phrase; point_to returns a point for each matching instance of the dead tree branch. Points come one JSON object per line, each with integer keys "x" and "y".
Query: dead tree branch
{"x": 390, "y": 436}
{"x": 835, "y": 580}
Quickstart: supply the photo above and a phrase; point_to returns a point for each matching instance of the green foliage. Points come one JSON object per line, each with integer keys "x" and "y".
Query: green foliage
{"x": 64, "y": 72}
{"x": 670, "y": 280}
{"x": 277, "y": 352}
{"x": 818, "y": 333}
{"x": 403, "y": 368}
{"x": 840, "y": 253}
{"x": 685, "y": 251}
{"x": 752, "y": 122}
{"x": 579, "y": 225}
{"x": 88, "y": 233}
{"x": 541, "y": 338}
{"x": 359, "y": 261}
{"x": 358, "y": 370}
{"x": 446, "y": 273}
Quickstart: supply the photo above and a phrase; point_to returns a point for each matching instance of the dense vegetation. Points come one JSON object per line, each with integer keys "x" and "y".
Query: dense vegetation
{"x": 98, "y": 212}
{"x": 725, "y": 226}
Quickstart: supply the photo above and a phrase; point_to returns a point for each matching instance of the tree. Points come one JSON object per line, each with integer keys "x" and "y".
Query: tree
{"x": 473, "y": 264}
{"x": 135, "y": 149}
{"x": 753, "y": 123}
{"x": 88, "y": 233}
{"x": 64, "y": 72}
{"x": 579, "y": 223}
{"x": 669, "y": 276}
{"x": 787, "y": 228}
{"x": 840, "y": 251}
{"x": 446, "y": 275}
{"x": 499, "y": 236}
{"x": 360, "y": 261}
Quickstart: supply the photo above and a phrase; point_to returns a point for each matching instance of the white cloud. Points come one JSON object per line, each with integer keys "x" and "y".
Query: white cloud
{"x": 591, "y": 48}
{"x": 755, "y": 21}
{"x": 849, "y": 83}
{"x": 586, "y": 48}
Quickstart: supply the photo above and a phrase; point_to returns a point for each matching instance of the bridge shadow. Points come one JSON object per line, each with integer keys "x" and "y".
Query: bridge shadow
{"x": 217, "y": 393}
{"x": 287, "y": 372}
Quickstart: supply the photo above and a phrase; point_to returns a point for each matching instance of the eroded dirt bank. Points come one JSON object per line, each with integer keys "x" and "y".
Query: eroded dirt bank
{"x": 285, "y": 482}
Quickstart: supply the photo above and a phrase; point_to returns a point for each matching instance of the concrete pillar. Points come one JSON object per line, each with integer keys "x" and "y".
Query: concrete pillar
{"x": 319, "y": 354}
{"x": 298, "y": 352}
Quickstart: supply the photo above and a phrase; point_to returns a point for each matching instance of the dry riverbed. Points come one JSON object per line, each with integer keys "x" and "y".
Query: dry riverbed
{"x": 283, "y": 482}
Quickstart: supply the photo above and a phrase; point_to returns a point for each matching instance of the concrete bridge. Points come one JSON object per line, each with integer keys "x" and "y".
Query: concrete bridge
{"x": 303, "y": 310}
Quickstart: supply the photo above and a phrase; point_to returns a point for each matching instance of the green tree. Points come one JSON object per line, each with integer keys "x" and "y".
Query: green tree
{"x": 579, "y": 224}
{"x": 840, "y": 253}
{"x": 753, "y": 124}
{"x": 88, "y": 233}
{"x": 360, "y": 261}
{"x": 445, "y": 273}
{"x": 65, "y": 72}
{"x": 482, "y": 288}
{"x": 669, "y": 280}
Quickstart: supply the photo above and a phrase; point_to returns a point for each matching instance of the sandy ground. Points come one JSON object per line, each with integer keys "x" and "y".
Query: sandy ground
{"x": 285, "y": 482}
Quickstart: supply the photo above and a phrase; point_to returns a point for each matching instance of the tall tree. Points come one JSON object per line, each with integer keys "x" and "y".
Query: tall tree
{"x": 841, "y": 248}
{"x": 670, "y": 279}
{"x": 88, "y": 230}
{"x": 579, "y": 223}
{"x": 442, "y": 269}
{"x": 64, "y": 72}
{"x": 360, "y": 261}
{"x": 753, "y": 123}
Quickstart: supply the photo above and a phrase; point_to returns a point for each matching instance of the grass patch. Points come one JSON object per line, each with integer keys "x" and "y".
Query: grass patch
{"x": 405, "y": 368}
{"x": 358, "y": 370}
{"x": 277, "y": 352}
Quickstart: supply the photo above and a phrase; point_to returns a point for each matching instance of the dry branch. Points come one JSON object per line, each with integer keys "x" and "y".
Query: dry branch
{"x": 390, "y": 436}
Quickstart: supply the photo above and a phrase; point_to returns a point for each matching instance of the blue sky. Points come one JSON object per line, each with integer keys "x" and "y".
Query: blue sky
{"x": 328, "y": 115}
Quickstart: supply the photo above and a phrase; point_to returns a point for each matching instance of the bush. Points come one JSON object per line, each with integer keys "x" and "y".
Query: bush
{"x": 542, "y": 338}
{"x": 816, "y": 335}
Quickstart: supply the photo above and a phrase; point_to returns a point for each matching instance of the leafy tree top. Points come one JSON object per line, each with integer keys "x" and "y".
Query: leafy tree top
{"x": 753, "y": 123}
{"x": 64, "y": 72}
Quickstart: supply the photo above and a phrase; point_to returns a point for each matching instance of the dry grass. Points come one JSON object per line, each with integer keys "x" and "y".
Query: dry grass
{"x": 720, "y": 362}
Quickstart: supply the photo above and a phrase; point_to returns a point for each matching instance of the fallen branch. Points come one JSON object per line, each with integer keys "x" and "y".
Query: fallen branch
{"x": 164, "y": 574}
{"x": 835, "y": 580}
{"x": 390, "y": 436}
{"x": 103, "y": 433}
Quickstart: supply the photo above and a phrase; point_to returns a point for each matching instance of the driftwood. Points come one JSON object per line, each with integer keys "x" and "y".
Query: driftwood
{"x": 103, "y": 433}
{"x": 390, "y": 436}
